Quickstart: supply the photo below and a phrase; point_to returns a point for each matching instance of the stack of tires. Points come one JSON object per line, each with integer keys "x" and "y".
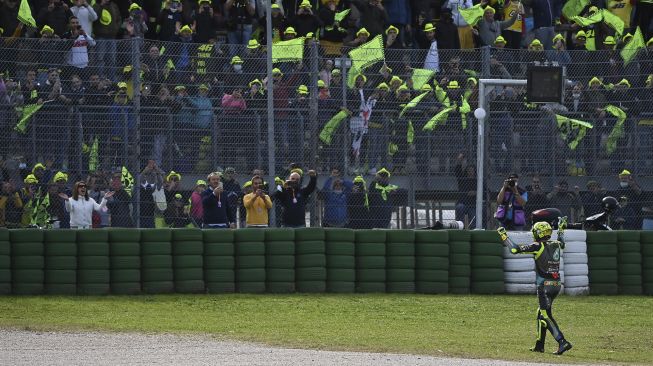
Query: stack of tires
{"x": 646, "y": 240}
{"x": 60, "y": 248}
{"x": 280, "y": 261}
{"x": 602, "y": 261}
{"x": 310, "y": 260}
{"x": 519, "y": 269}
{"x": 156, "y": 261}
{"x": 630, "y": 263}
{"x": 487, "y": 263}
{"x": 125, "y": 261}
{"x": 27, "y": 262}
{"x": 219, "y": 261}
{"x": 460, "y": 261}
{"x": 341, "y": 260}
{"x": 5, "y": 262}
{"x": 93, "y": 266}
{"x": 370, "y": 261}
{"x": 250, "y": 260}
{"x": 188, "y": 261}
{"x": 432, "y": 262}
{"x": 400, "y": 261}
{"x": 575, "y": 263}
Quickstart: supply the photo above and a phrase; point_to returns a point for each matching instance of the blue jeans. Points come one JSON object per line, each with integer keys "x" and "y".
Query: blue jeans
{"x": 545, "y": 35}
{"x": 240, "y": 36}
{"x": 105, "y": 53}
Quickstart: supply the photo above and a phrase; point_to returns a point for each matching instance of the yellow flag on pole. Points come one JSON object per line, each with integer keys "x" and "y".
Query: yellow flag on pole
{"x": 292, "y": 50}
{"x": 364, "y": 56}
{"x": 25, "y": 14}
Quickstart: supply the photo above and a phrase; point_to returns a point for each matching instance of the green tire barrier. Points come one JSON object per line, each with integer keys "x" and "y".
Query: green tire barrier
{"x": 603, "y": 262}
{"x": 340, "y": 249}
{"x": 370, "y": 252}
{"x": 487, "y": 275}
{"x": 152, "y": 261}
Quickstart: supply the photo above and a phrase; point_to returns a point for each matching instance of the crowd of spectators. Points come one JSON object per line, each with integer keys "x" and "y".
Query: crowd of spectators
{"x": 198, "y": 70}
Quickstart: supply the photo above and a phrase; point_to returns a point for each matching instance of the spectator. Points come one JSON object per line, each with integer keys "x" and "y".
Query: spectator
{"x": 489, "y": 28}
{"x": 81, "y": 206}
{"x": 333, "y": 32}
{"x": 170, "y": 20}
{"x": 85, "y": 14}
{"x": 234, "y": 103}
{"x": 564, "y": 200}
{"x": 644, "y": 16}
{"x": 432, "y": 60}
{"x": 279, "y": 24}
{"x": 11, "y": 206}
{"x": 465, "y": 36}
{"x": 9, "y": 23}
{"x": 120, "y": 204}
{"x": 172, "y": 186}
{"x": 293, "y": 199}
{"x": 78, "y": 54}
{"x": 336, "y": 191}
{"x": 545, "y": 15}
{"x": 466, "y": 177}
{"x": 105, "y": 30}
{"x": 217, "y": 212}
{"x": 625, "y": 217}
{"x": 55, "y": 15}
{"x": 196, "y": 209}
{"x": 511, "y": 201}
{"x": 58, "y": 213}
{"x": 630, "y": 189}
{"x": 151, "y": 179}
{"x": 537, "y": 199}
{"x": 305, "y": 21}
{"x": 381, "y": 199}
{"x": 361, "y": 37}
{"x": 559, "y": 55}
{"x": 257, "y": 203}
{"x": 513, "y": 34}
{"x": 73, "y": 94}
{"x": 175, "y": 214}
{"x": 96, "y": 188}
{"x": 204, "y": 22}
{"x": 52, "y": 51}
{"x": 203, "y": 107}
{"x": 358, "y": 205}
{"x": 447, "y": 32}
{"x": 240, "y": 15}
{"x": 399, "y": 16}
{"x": 135, "y": 24}
{"x": 231, "y": 188}
{"x": 591, "y": 199}
{"x": 373, "y": 15}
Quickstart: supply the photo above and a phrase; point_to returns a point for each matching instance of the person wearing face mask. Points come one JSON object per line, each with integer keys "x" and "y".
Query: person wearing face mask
{"x": 511, "y": 201}
{"x": 293, "y": 199}
{"x": 335, "y": 192}
{"x": 630, "y": 189}
{"x": 565, "y": 200}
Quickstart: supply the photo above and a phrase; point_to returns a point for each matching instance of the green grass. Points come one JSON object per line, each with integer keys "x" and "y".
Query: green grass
{"x": 602, "y": 329}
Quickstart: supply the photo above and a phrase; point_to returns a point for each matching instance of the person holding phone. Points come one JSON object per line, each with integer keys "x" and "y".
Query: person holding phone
{"x": 217, "y": 211}
{"x": 257, "y": 204}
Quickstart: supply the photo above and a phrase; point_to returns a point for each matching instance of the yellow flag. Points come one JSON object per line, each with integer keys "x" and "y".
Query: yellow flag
{"x": 331, "y": 126}
{"x": 292, "y": 50}
{"x": 25, "y": 14}
{"x": 414, "y": 102}
{"x": 93, "y": 156}
{"x": 421, "y": 77}
{"x": 438, "y": 119}
{"x": 618, "y": 129}
{"x": 341, "y": 15}
{"x": 127, "y": 180}
{"x": 574, "y": 7}
{"x": 631, "y": 49}
{"x": 364, "y": 56}
{"x": 472, "y": 15}
{"x": 571, "y": 130}
{"x": 27, "y": 113}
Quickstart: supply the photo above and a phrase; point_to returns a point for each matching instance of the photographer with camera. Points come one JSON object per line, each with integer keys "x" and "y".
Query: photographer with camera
{"x": 257, "y": 204}
{"x": 293, "y": 199}
{"x": 511, "y": 201}
{"x": 217, "y": 211}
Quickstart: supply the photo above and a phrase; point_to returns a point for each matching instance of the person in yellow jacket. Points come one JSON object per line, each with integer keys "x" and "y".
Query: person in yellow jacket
{"x": 257, "y": 204}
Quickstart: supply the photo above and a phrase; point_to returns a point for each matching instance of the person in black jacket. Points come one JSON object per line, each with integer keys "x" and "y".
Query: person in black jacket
{"x": 293, "y": 199}
{"x": 373, "y": 16}
{"x": 358, "y": 206}
{"x": 217, "y": 211}
{"x": 447, "y": 32}
{"x": 119, "y": 204}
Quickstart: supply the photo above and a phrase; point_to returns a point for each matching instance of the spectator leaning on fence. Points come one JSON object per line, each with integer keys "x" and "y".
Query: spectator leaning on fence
{"x": 630, "y": 189}
{"x": 257, "y": 203}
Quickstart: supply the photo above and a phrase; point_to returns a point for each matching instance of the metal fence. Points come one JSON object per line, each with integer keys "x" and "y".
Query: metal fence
{"x": 194, "y": 109}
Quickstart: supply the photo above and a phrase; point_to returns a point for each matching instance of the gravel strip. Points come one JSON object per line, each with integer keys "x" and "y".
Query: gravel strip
{"x": 20, "y": 347}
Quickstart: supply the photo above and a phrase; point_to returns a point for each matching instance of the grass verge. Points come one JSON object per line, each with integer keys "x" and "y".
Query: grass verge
{"x": 602, "y": 329}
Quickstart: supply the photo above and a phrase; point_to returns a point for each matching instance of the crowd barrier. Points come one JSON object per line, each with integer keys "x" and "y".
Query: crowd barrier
{"x": 310, "y": 260}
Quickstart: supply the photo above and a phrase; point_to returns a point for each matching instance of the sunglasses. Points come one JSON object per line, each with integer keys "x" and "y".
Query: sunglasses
{"x": 78, "y": 187}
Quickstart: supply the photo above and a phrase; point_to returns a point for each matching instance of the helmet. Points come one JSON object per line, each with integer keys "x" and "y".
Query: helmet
{"x": 609, "y": 204}
{"x": 542, "y": 231}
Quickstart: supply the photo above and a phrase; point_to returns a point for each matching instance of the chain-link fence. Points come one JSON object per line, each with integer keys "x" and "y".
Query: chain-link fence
{"x": 393, "y": 145}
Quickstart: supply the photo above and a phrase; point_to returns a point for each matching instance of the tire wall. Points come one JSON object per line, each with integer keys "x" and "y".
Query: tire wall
{"x": 310, "y": 260}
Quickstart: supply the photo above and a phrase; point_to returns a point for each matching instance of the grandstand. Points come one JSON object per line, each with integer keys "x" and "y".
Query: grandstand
{"x": 98, "y": 90}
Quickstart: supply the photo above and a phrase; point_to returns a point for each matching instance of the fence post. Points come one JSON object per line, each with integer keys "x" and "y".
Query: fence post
{"x": 136, "y": 156}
